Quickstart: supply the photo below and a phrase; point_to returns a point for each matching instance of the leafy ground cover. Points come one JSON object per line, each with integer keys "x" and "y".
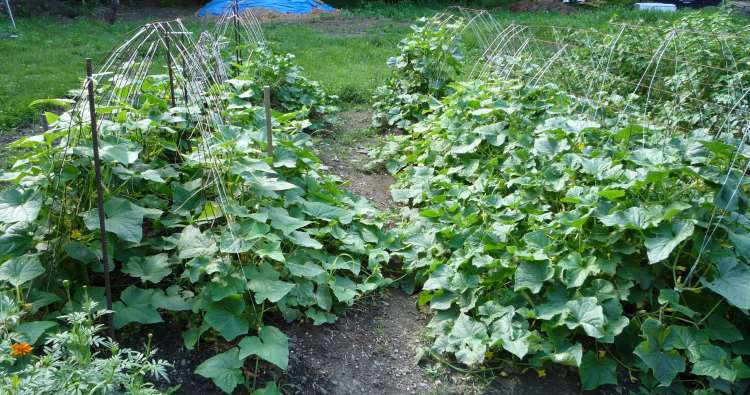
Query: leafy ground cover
{"x": 539, "y": 234}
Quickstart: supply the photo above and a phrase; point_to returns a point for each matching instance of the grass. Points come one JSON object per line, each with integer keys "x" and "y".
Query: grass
{"x": 346, "y": 54}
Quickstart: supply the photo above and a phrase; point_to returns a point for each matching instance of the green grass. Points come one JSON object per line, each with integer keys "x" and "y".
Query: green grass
{"x": 348, "y": 57}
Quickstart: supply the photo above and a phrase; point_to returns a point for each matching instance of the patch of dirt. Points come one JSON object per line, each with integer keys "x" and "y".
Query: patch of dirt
{"x": 370, "y": 350}
{"x": 169, "y": 346}
{"x": 542, "y": 5}
{"x": 349, "y": 159}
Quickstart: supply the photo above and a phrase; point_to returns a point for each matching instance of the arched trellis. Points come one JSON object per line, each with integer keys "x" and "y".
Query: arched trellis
{"x": 647, "y": 68}
{"x": 159, "y": 53}
{"x": 646, "y": 65}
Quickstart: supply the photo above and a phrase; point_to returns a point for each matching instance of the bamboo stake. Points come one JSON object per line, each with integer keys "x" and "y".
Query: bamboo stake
{"x": 99, "y": 194}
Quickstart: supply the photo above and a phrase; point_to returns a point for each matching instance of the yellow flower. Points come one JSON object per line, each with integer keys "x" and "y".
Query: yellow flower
{"x": 20, "y": 349}
{"x": 75, "y": 234}
{"x": 541, "y": 373}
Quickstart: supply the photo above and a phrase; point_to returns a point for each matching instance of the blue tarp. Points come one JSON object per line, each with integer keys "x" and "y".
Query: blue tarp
{"x": 219, "y": 7}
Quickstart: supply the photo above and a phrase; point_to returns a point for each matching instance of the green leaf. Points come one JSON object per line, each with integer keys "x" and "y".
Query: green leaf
{"x": 152, "y": 268}
{"x": 467, "y": 147}
{"x": 586, "y": 313}
{"x": 32, "y": 331}
{"x": 595, "y": 372}
{"x": 732, "y": 282}
{"x": 531, "y": 276}
{"x": 19, "y": 270}
{"x": 223, "y": 369}
{"x": 271, "y": 345}
{"x": 714, "y": 362}
{"x": 123, "y": 218}
{"x": 667, "y": 238}
{"x": 309, "y": 269}
{"x": 493, "y": 133}
{"x": 344, "y": 289}
{"x": 120, "y": 152}
{"x": 470, "y": 339}
{"x": 574, "y": 269}
{"x": 265, "y": 283}
{"x": 281, "y": 220}
{"x": 634, "y": 218}
{"x": 19, "y": 205}
{"x": 192, "y": 243}
{"x": 550, "y": 147}
{"x": 303, "y": 239}
{"x": 227, "y": 317}
{"x": 136, "y": 305}
{"x": 570, "y": 356}
{"x": 665, "y": 365}
{"x": 271, "y": 249}
{"x": 324, "y": 211}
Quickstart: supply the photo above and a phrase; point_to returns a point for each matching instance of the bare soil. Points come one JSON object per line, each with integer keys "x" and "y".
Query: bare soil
{"x": 349, "y": 159}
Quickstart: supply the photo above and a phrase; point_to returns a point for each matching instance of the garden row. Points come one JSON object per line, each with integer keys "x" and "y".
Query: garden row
{"x": 546, "y": 228}
{"x": 205, "y": 231}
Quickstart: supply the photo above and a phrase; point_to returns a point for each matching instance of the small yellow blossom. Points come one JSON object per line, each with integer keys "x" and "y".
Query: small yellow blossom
{"x": 541, "y": 373}
{"x": 75, "y": 234}
{"x": 20, "y": 349}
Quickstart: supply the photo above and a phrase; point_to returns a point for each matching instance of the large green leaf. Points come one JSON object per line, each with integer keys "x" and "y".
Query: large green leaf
{"x": 20, "y": 270}
{"x": 470, "y": 338}
{"x": 595, "y": 371}
{"x": 264, "y": 282}
{"x": 714, "y": 362}
{"x": 634, "y": 218}
{"x": 281, "y": 220}
{"x": 32, "y": 331}
{"x": 223, "y": 369}
{"x": 135, "y": 305}
{"x": 149, "y": 269}
{"x": 123, "y": 218}
{"x": 665, "y": 365}
{"x": 228, "y": 317}
{"x": 271, "y": 345}
{"x": 19, "y": 205}
{"x": 344, "y": 289}
{"x": 588, "y": 314}
{"x": 666, "y": 238}
{"x": 532, "y": 275}
{"x": 192, "y": 243}
{"x": 732, "y": 282}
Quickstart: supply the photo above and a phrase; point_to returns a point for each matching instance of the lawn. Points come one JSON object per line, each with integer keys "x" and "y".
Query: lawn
{"x": 346, "y": 53}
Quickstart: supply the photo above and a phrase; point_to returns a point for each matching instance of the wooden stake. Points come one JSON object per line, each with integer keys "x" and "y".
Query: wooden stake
{"x": 99, "y": 193}
{"x": 269, "y": 131}
{"x": 45, "y": 125}
{"x": 172, "y": 98}
{"x": 236, "y": 10}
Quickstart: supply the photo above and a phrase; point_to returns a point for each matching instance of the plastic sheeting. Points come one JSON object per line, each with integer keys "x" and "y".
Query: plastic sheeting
{"x": 219, "y": 7}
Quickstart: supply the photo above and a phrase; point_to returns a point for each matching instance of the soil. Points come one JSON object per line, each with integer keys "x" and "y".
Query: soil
{"x": 371, "y": 350}
{"x": 349, "y": 160}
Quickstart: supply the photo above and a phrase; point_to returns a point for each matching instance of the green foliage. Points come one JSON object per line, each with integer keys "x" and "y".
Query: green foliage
{"x": 429, "y": 60}
{"x": 563, "y": 239}
{"x": 71, "y": 362}
{"x": 205, "y": 223}
{"x": 290, "y": 91}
